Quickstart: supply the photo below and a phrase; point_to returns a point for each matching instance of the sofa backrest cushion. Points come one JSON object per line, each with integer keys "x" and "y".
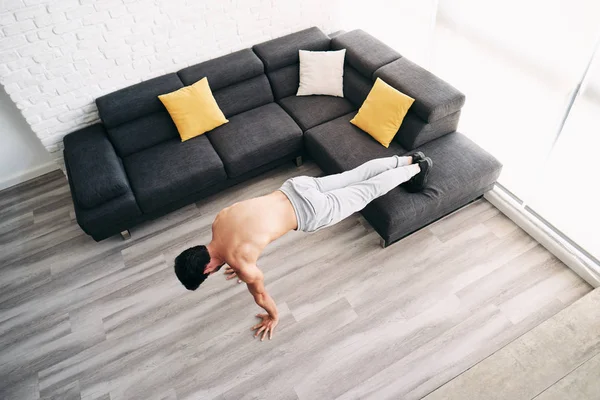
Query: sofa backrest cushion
{"x": 283, "y": 51}
{"x": 281, "y": 60}
{"x": 136, "y": 101}
{"x": 434, "y": 98}
{"x": 364, "y": 52}
{"x": 285, "y": 81}
{"x": 142, "y": 133}
{"x": 414, "y": 132}
{"x": 356, "y": 86}
{"x": 237, "y": 81}
{"x": 244, "y": 96}
{"x": 224, "y": 71}
{"x": 134, "y": 117}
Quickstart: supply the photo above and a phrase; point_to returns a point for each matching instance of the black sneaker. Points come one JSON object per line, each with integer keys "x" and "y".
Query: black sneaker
{"x": 418, "y": 182}
{"x": 417, "y": 157}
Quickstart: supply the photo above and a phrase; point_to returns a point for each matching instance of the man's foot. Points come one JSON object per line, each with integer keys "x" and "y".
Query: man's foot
{"x": 418, "y": 182}
{"x": 417, "y": 157}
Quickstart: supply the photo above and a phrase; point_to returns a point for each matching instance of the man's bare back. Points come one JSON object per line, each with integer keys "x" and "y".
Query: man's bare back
{"x": 244, "y": 229}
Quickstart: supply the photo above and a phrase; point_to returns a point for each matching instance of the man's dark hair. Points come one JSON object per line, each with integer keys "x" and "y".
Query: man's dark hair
{"x": 189, "y": 266}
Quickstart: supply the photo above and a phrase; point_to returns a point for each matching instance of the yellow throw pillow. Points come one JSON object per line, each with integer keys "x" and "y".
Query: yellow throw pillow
{"x": 193, "y": 109}
{"x": 382, "y": 112}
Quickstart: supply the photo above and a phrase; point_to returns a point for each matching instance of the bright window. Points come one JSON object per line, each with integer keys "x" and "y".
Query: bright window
{"x": 520, "y": 64}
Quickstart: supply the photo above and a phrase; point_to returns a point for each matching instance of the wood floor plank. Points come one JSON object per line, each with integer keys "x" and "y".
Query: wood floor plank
{"x": 8, "y": 225}
{"x": 110, "y": 321}
{"x": 500, "y": 225}
{"x": 477, "y": 213}
{"x": 32, "y": 190}
{"x": 25, "y": 388}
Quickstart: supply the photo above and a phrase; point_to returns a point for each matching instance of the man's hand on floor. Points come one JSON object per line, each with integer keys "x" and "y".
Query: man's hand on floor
{"x": 267, "y": 326}
{"x": 230, "y": 274}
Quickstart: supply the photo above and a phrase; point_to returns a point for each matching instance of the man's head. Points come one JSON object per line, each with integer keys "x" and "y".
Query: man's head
{"x": 194, "y": 265}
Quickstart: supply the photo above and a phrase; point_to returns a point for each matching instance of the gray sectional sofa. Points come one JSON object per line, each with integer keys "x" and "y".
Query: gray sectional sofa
{"x": 133, "y": 167}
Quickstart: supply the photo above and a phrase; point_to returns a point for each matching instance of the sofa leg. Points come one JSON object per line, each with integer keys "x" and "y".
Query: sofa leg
{"x": 382, "y": 243}
{"x": 125, "y": 234}
{"x": 298, "y": 161}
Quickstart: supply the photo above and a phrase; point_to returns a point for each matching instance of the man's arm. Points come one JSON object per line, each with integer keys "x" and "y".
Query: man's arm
{"x": 262, "y": 298}
{"x": 255, "y": 281}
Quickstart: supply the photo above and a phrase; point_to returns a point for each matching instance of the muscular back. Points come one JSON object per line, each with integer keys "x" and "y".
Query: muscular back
{"x": 244, "y": 229}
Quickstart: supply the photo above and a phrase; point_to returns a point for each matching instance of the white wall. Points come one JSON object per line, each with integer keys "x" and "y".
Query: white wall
{"x": 405, "y": 25}
{"x": 57, "y": 56}
{"x": 22, "y": 155}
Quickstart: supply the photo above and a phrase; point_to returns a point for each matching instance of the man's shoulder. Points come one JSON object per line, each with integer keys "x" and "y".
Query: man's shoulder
{"x": 242, "y": 255}
{"x": 244, "y": 264}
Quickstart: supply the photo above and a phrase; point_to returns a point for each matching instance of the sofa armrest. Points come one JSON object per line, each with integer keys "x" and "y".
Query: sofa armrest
{"x": 434, "y": 98}
{"x": 95, "y": 170}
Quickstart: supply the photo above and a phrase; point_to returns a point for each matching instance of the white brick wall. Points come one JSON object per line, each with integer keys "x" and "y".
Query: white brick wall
{"x": 57, "y": 56}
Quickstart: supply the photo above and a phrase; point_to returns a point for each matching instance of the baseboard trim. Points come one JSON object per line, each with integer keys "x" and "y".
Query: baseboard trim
{"x": 28, "y": 174}
{"x": 582, "y": 265}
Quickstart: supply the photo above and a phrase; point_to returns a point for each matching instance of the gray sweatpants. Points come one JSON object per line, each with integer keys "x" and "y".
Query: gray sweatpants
{"x": 322, "y": 202}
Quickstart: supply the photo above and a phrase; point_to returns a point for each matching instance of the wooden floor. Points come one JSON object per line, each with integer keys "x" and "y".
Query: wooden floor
{"x": 557, "y": 360}
{"x": 109, "y": 320}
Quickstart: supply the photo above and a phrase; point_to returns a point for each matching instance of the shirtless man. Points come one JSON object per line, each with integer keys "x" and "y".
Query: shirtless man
{"x": 241, "y": 232}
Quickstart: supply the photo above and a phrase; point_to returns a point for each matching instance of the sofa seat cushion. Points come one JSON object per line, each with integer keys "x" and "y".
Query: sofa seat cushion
{"x": 310, "y": 111}
{"x": 173, "y": 170}
{"x": 256, "y": 137}
{"x": 338, "y": 145}
{"x": 461, "y": 172}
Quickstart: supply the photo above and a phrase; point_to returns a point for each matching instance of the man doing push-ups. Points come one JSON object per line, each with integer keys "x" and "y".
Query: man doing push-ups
{"x": 241, "y": 231}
